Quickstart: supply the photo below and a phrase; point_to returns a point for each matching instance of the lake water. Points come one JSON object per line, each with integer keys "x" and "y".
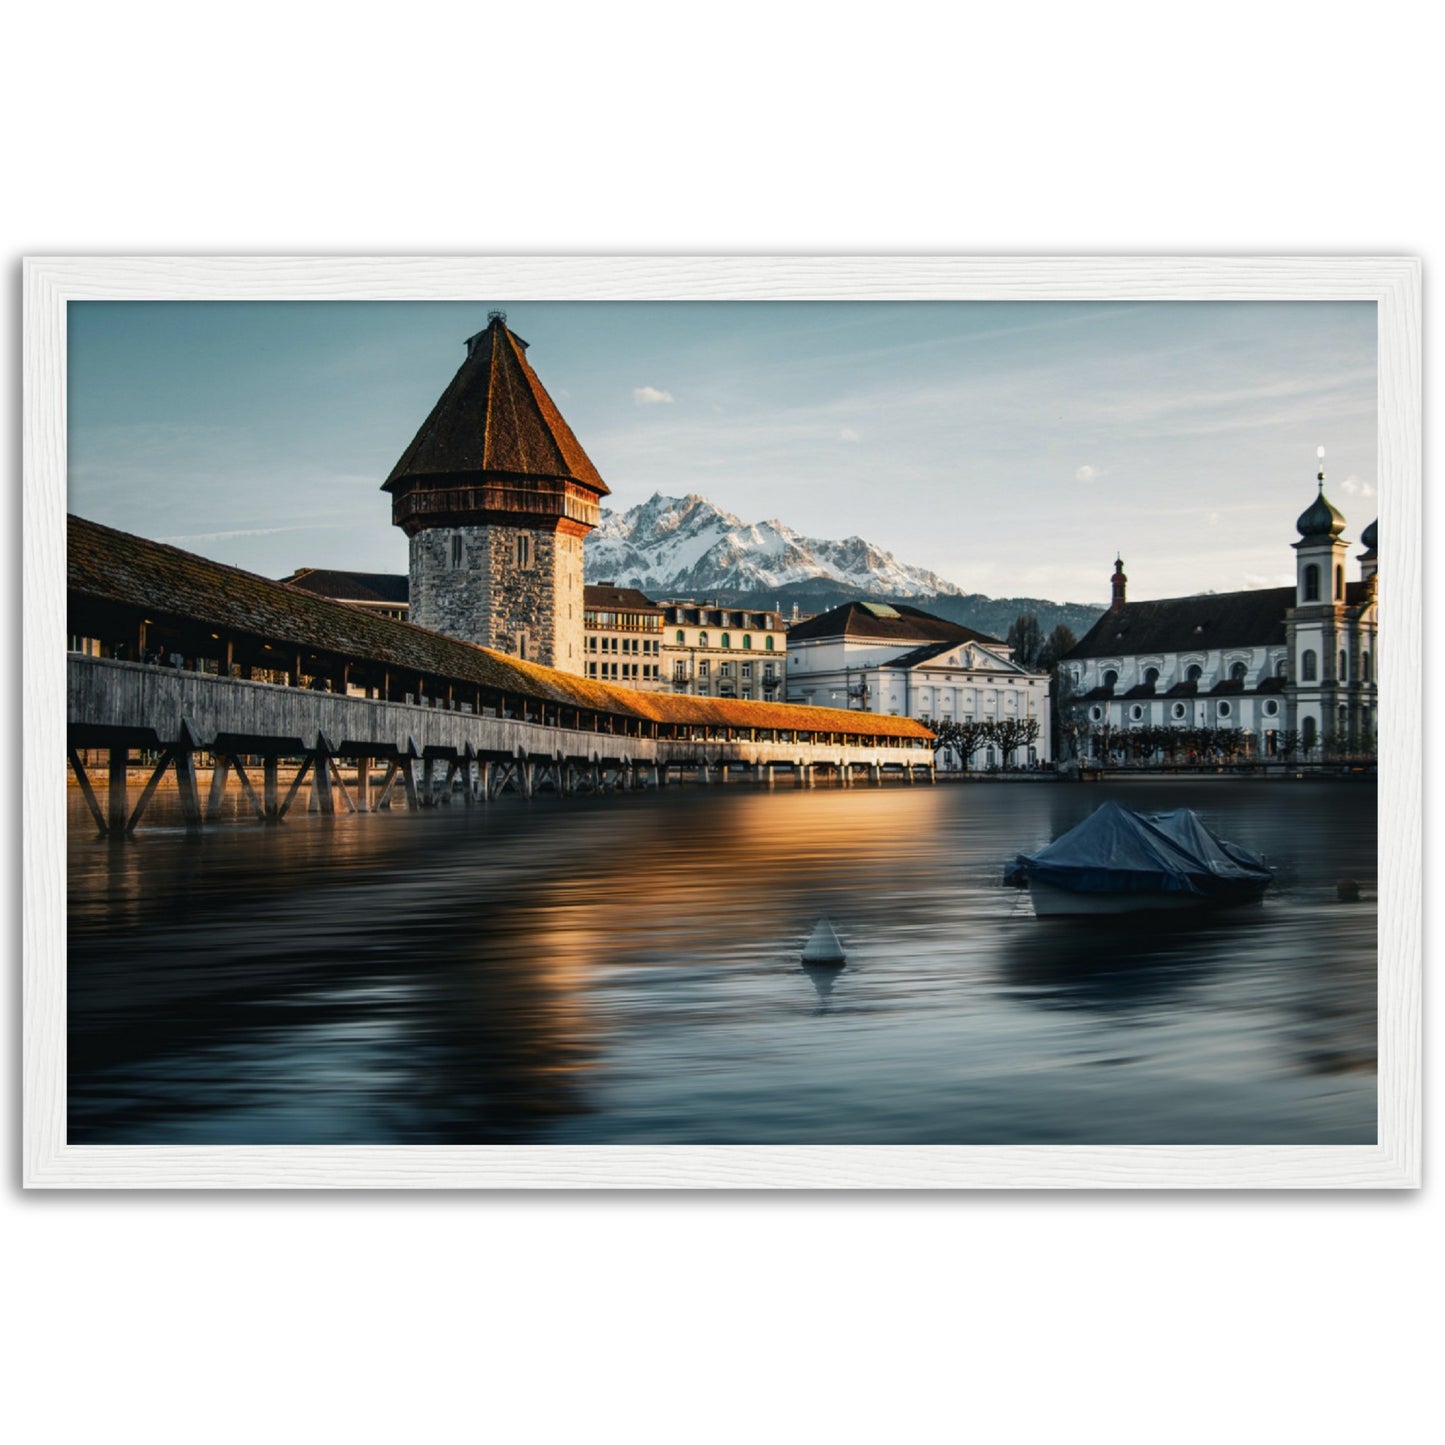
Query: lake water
{"x": 625, "y": 969}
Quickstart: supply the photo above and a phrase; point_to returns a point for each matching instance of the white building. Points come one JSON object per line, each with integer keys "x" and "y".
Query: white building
{"x": 1259, "y": 663}
{"x": 895, "y": 659}
{"x": 622, "y": 633}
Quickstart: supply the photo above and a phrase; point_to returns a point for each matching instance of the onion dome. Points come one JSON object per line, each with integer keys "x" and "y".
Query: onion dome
{"x": 1367, "y": 537}
{"x": 1320, "y": 522}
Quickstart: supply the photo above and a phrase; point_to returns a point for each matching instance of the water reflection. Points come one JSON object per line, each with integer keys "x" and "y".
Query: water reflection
{"x": 627, "y": 969}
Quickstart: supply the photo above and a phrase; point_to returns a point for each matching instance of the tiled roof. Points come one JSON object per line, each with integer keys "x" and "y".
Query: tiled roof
{"x": 602, "y": 597}
{"x": 1190, "y": 624}
{"x": 496, "y": 417}
{"x": 111, "y": 569}
{"x": 388, "y": 587}
{"x": 891, "y": 622}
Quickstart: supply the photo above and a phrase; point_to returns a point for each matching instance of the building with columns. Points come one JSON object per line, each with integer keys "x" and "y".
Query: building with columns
{"x": 496, "y": 497}
{"x": 1261, "y": 663}
{"x": 899, "y": 660}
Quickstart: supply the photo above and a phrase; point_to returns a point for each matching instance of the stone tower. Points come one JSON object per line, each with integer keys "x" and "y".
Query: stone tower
{"x": 496, "y": 497}
{"x": 1317, "y": 626}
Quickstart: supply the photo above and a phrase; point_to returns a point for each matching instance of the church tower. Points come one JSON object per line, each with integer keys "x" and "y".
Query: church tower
{"x": 496, "y": 497}
{"x": 1317, "y": 625}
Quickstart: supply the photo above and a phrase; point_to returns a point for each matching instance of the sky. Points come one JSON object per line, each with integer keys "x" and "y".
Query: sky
{"x": 1012, "y": 447}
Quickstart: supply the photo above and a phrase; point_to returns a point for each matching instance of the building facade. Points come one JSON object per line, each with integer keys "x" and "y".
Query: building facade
{"x": 1260, "y": 669}
{"x": 899, "y": 660}
{"x": 622, "y": 631}
{"x": 713, "y": 651}
{"x": 496, "y": 497}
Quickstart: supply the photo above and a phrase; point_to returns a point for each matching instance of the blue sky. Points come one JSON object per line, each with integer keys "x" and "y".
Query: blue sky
{"x": 1011, "y": 447}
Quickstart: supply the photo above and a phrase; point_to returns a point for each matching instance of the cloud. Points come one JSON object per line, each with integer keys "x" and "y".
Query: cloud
{"x": 650, "y": 396}
{"x": 847, "y": 435}
{"x": 1088, "y": 474}
{"x": 1356, "y": 488}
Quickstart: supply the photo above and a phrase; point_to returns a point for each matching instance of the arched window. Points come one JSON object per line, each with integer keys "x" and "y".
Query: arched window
{"x": 1344, "y": 665}
{"x": 679, "y": 637}
{"x": 747, "y": 641}
{"x": 1238, "y": 672}
{"x": 1339, "y": 583}
{"x": 1194, "y": 673}
{"x": 1312, "y": 583}
{"x": 1151, "y": 676}
{"x": 702, "y": 639}
{"x": 1344, "y": 720}
{"x": 1308, "y": 666}
{"x": 1110, "y": 677}
{"x": 1364, "y": 667}
{"x": 1281, "y": 668}
{"x": 768, "y": 645}
{"x": 726, "y": 640}
{"x": 1309, "y": 732}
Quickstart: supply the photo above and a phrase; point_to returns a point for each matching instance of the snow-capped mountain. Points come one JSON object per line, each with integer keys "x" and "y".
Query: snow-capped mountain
{"x": 687, "y": 546}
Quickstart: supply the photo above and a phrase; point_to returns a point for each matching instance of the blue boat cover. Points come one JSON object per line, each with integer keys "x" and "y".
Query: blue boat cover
{"x": 1117, "y": 851}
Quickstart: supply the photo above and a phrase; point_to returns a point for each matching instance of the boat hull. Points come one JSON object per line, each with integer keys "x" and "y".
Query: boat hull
{"x": 1051, "y": 902}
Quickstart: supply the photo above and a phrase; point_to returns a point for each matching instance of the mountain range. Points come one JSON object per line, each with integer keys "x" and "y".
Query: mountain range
{"x": 690, "y": 547}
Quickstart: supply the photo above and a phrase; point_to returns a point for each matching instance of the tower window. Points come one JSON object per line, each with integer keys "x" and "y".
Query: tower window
{"x": 1339, "y": 583}
{"x": 524, "y": 550}
{"x": 1344, "y": 665}
{"x": 1312, "y": 583}
{"x": 1364, "y": 667}
{"x": 1308, "y": 666}
{"x": 456, "y": 549}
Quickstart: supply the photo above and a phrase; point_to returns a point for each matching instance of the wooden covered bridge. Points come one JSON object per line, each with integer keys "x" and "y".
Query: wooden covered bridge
{"x": 173, "y": 656}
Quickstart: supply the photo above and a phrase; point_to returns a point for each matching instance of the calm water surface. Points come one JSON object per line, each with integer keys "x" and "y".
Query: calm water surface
{"x": 625, "y": 969}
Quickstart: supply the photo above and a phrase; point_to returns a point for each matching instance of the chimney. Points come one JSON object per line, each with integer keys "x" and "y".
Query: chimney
{"x": 1118, "y": 581}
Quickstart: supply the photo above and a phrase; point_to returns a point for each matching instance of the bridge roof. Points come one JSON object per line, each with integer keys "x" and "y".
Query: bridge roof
{"x": 115, "y": 569}
{"x": 495, "y": 417}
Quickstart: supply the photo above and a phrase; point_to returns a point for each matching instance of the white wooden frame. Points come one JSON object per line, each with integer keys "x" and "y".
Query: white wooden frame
{"x": 1392, "y": 282}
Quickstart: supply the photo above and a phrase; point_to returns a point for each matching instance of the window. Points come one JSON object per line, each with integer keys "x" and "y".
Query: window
{"x": 1271, "y": 708}
{"x": 456, "y": 549}
{"x": 1339, "y": 583}
{"x": 747, "y": 641}
{"x": 679, "y": 670}
{"x": 1312, "y": 583}
{"x": 1364, "y": 667}
{"x": 524, "y": 550}
{"x": 1310, "y": 732}
{"x": 702, "y": 639}
{"x": 1096, "y": 713}
{"x": 1224, "y": 709}
{"x": 1179, "y": 709}
{"x": 726, "y": 670}
{"x": 1344, "y": 664}
{"x": 1136, "y": 712}
{"x": 747, "y": 671}
{"x": 1281, "y": 668}
{"x": 1110, "y": 677}
{"x": 1193, "y": 673}
{"x": 680, "y": 639}
{"x": 727, "y": 640}
{"x": 1238, "y": 672}
{"x": 1151, "y": 676}
{"x": 768, "y": 674}
{"x": 703, "y": 668}
{"x": 1308, "y": 666}
{"x": 767, "y": 644}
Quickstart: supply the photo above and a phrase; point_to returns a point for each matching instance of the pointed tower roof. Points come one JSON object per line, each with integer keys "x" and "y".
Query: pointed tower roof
{"x": 496, "y": 416}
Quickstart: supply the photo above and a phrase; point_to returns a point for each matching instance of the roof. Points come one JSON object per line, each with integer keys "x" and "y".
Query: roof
{"x": 921, "y": 655}
{"x": 603, "y": 597}
{"x": 392, "y": 588}
{"x": 1189, "y": 624}
{"x": 496, "y": 417}
{"x": 886, "y": 622}
{"x": 114, "y": 569}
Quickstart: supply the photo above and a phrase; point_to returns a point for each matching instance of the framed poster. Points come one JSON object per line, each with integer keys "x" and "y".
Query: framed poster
{"x": 813, "y": 595}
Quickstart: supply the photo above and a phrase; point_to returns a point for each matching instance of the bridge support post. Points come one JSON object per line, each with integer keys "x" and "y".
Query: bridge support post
{"x": 220, "y": 773}
{"x": 428, "y": 782}
{"x": 529, "y": 778}
{"x": 321, "y": 799}
{"x": 363, "y": 785}
{"x": 408, "y": 781}
{"x": 875, "y": 774}
{"x": 271, "y": 785}
{"x": 722, "y": 772}
{"x": 186, "y": 785}
{"x": 118, "y": 811}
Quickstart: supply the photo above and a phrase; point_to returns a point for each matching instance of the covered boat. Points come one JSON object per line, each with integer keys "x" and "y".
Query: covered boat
{"x": 1118, "y": 861}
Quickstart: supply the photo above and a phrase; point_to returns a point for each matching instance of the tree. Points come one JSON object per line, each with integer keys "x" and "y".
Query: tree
{"x": 1061, "y": 640}
{"x": 964, "y": 738}
{"x": 1026, "y": 638}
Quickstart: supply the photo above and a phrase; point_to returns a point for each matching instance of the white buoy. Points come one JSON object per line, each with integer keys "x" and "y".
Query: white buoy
{"x": 823, "y": 946}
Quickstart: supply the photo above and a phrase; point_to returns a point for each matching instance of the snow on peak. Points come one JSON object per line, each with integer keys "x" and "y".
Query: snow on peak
{"x": 690, "y": 546}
